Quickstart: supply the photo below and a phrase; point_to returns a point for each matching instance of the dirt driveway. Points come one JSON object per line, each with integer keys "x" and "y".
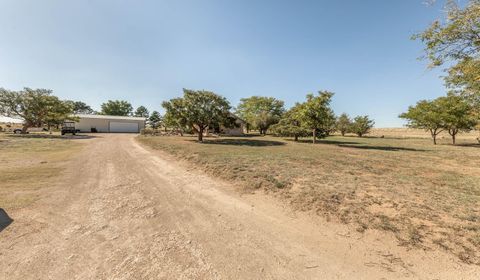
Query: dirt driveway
{"x": 124, "y": 212}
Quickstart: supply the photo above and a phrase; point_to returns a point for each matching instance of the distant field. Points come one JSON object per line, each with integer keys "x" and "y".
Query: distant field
{"x": 419, "y": 133}
{"x": 29, "y": 163}
{"x": 428, "y": 196}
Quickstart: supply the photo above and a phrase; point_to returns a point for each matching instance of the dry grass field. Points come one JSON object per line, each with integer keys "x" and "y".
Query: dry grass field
{"x": 29, "y": 163}
{"x": 420, "y": 133}
{"x": 427, "y": 196}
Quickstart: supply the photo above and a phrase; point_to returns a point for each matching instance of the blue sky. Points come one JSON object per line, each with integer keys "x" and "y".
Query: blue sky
{"x": 147, "y": 51}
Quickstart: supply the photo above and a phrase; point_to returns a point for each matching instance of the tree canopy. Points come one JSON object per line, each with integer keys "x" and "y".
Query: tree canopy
{"x": 197, "y": 110}
{"x": 457, "y": 115}
{"x": 316, "y": 114}
{"x": 142, "y": 112}
{"x": 456, "y": 41}
{"x": 290, "y": 125}
{"x": 260, "y": 112}
{"x": 155, "y": 119}
{"x": 449, "y": 113}
{"x": 37, "y": 107}
{"x": 425, "y": 115}
{"x": 117, "y": 108}
{"x": 80, "y": 107}
{"x": 343, "y": 123}
{"x": 361, "y": 125}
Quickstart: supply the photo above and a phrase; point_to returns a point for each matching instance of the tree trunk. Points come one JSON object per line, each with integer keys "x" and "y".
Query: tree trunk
{"x": 200, "y": 134}
{"x": 24, "y": 128}
{"x": 296, "y": 138}
{"x": 453, "y": 133}
{"x": 343, "y": 133}
{"x": 314, "y": 132}
{"x": 434, "y": 139}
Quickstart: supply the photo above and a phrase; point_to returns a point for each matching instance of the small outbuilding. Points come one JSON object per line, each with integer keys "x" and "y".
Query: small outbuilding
{"x": 109, "y": 124}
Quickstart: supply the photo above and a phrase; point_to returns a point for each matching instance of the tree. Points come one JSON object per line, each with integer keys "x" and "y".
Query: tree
{"x": 260, "y": 112}
{"x": 141, "y": 112}
{"x": 197, "y": 110}
{"x": 80, "y": 107}
{"x": 175, "y": 116}
{"x": 316, "y": 114}
{"x": 58, "y": 112}
{"x": 343, "y": 123}
{"x": 155, "y": 119}
{"x": 361, "y": 125}
{"x": 290, "y": 125}
{"x": 456, "y": 41}
{"x": 117, "y": 108}
{"x": 426, "y": 115}
{"x": 457, "y": 114}
{"x": 37, "y": 107}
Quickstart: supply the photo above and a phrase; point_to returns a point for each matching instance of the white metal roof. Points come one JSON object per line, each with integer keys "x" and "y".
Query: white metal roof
{"x": 4, "y": 119}
{"x": 82, "y": 116}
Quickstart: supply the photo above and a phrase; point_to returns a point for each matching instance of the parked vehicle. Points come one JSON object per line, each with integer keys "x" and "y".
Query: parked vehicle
{"x": 68, "y": 127}
{"x": 31, "y": 129}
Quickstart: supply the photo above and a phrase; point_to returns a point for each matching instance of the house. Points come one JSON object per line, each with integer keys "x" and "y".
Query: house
{"x": 236, "y": 129}
{"x": 107, "y": 124}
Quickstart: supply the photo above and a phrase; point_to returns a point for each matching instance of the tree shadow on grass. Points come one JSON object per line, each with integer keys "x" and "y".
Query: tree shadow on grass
{"x": 381, "y": 148}
{"x": 52, "y": 136}
{"x": 5, "y": 220}
{"x": 473, "y": 145}
{"x": 243, "y": 142}
{"x": 358, "y": 145}
{"x": 322, "y": 141}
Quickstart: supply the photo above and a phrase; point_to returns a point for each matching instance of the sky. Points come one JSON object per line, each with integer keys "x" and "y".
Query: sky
{"x": 148, "y": 51}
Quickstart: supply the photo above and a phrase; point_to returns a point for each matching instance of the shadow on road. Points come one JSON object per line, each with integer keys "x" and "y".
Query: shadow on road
{"x": 5, "y": 220}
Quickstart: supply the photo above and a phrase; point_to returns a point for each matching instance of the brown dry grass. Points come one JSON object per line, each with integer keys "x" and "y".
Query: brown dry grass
{"x": 28, "y": 164}
{"x": 428, "y": 196}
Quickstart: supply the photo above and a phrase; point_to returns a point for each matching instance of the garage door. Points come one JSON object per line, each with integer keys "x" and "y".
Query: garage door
{"x": 123, "y": 127}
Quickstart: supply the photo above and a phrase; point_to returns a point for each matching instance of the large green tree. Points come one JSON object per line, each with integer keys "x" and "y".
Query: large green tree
{"x": 260, "y": 112}
{"x": 361, "y": 125}
{"x": 316, "y": 114}
{"x": 290, "y": 124}
{"x": 197, "y": 110}
{"x": 141, "y": 112}
{"x": 427, "y": 115}
{"x": 455, "y": 41}
{"x": 37, "y": 107}
{"x": 117, "y": 108}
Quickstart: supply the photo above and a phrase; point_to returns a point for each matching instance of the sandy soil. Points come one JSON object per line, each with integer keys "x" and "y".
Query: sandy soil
{"x": 124, "y": 212}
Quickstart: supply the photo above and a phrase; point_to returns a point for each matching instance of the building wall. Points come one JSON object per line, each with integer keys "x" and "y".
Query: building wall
{"x": 236, "y": 131}
{"x": 102, "y": 125}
